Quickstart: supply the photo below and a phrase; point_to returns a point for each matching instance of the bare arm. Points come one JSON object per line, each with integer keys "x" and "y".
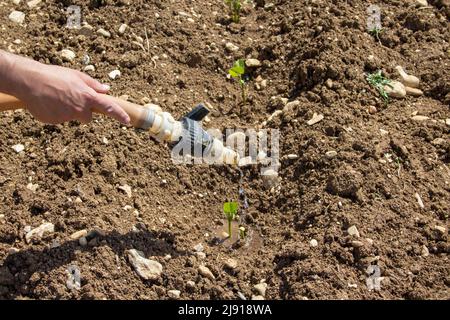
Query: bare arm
{"x": 55, "y": 94}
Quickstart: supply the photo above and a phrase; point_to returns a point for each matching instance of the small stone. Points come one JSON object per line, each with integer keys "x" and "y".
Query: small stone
{"x": 331, "y": 154}
{"x": 315, "y": 119}
{"x": 190, "y": 284}
{"x": 114, "y": 74}
{"x": 353, "y": 231}
{"x": 32, "y": 187}
{"x": 290, "y": 106}
{"x": 104, "y": 33}
{"x": 145, "y": 268}
{"x": 231, "y": 47}
{"x": 420, "y": 118}
{"x": 425, "y": 252}
{"x": 357, "y": 244}
{"x": 447, "y": 121}
{"x": 292, "y": 156}
{"x": 372, "y": 109}
{"x": 258, "y": 298}
{"x": 261, "y": 288}
{"x": 395, "y": 89}
{"x": 199, "y": 247}
{"x": 263, "y": 84}
{"x": 231, "y": 263}
{"x": 174, "y": 294}
{"x": 89, "y": 68}
{"x": 78, "y": 234}
{"x": 438, "y": 142}
{"x": 413, "y": 92}
{"x": 329, "y": 83}
{"x": 252, "y": 63}
{"x": 17, "y": 17}
{"x": 200, "y": 255}
{"x": 127, "y": 189}
{"x": 33, "y": 3}
{"x": 83, "y": 241}
{"x": 241, "y": 295}
{"x": 313, "y": 243}
{"x": 422, "y": 3}
{"x": 123, "y": 27}
{"x": 204, "y": 271}
{"x": 38, "y": 232}
{"x": 86, "y": 30}
{"x": 17, "y": 41}
{"x": 68, "y": 55}
{"x": 441, "y": 230}
{"x": 270, "y": 177}
{"x": 13, "y": 250}
{"x": 18, "y": 148}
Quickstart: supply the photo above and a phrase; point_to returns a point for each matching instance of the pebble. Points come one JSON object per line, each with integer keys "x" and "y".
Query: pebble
{"x": 174, "y": 294}
{"x": 420, "y": 118}
{"x": 145, "y": 268}
{"x": 127, "y": 189}
{"x": 89, "y": 68}
{"x": 292, "y": 156}
{"x": 441, "y": 230}
{"x": 313, "y": 243}
{"x": 425, "y": 252}
{"x": 17, "y": 17}
{"x": 199, "y": 247}
{"x": 406, "y": 79}
{"x": 17, "y": 41}
{"x": 331, "y": 154}
{"x": 231, "y": 263}
{"x": 372, "y": 109}
{"x": 353, "y": 231}
{"x": 32, "y": 187}
{"x": 438, "y": 142}
{"x": 18, "y": 148}
{"x": 200, "y": 255}
{"x": 357, "y": 244}
{"x": 104, "y": 33}
{"x": 86, "y": 30}
{"x": 241, "y": 295}
{"x": 413, "y": 92}
{"x": 190, "y": 284}
{"x": 257, "y": 298}
{"x": 78, "y": 234}
{"x": 252, "y": 63}
{"x": 329, "y": 83}
{"x": 74, "y": 278}
{"x": 123, "y": 27}
{"x": 261, "y": 288}
{"x": 270, "y": 176}
{"x": 315, "y": 119}
{"x": 447, "y": 121}
{"x": 83, "y": 241}
{"x": 68, "y": 55}
{"x": 38, "y": 232}
{"x": 422, "y": 3}
{"x": 204, "y": 271}
{"x": 114, "y": 74}
{"x": 231, "y": 47}
{"x": 396, "y": 89}
{"x": 33, "y": 3}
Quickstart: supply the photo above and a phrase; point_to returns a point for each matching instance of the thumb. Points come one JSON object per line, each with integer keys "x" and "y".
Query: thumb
{"x": 94, "y": 84}
{"x": 110, "y": 108}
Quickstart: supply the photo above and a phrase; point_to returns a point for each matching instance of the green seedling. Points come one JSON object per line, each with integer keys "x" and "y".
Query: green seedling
{"x": 230, "y": 210}
{"x": 376, "y": 33}
{"x": 238, "y": 73}
{"x": 235, "y": 9}
{"x": 378, "y": 81}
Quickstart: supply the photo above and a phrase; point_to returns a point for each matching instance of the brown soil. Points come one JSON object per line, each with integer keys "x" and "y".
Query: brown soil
{"x": 301, "y": 44}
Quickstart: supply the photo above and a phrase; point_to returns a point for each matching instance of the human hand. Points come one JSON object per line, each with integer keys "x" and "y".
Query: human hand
{"x": 56, "y": 94}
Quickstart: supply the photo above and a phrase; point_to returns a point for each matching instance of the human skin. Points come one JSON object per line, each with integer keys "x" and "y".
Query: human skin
{"x": 55, "y": 94}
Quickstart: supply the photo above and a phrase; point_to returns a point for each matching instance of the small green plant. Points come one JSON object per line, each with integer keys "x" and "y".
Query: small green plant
{"x": 375, "y": 31}
{"x": 230, "y": 210}
{"x": 378, "y": 81}
{"x": 235, "y": 9}
{"x": 238, "y": 73}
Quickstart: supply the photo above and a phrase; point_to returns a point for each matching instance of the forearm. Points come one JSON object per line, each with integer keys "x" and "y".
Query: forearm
{"x": 13, "y": 72}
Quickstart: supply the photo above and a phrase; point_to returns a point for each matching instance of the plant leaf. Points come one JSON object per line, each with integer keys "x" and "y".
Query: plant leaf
{"x": 230, "y": 207}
